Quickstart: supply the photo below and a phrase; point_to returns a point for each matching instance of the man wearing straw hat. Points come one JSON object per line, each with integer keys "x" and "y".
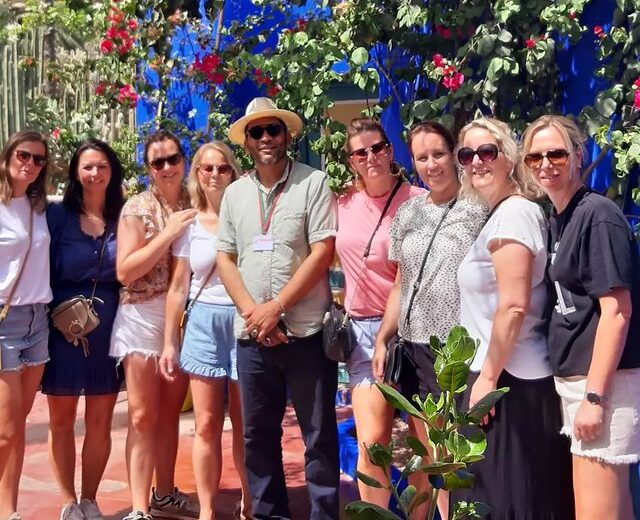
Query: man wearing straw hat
{"x": 275, "y": 245}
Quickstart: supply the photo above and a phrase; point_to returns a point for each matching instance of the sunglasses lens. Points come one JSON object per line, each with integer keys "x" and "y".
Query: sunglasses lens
{"x": 378, "y": 148}
{"x": 208, "y": 168}
{"x": 487, "y": 152}
{"x": 174, "y": 159}
{"x": 558, "y": 157}
{"x": 256, "y": 132}
{"x": 23, "y": 156}
{"x": 39, "y": 160}
{"x": 359, "y": 153}
{"x": 465, "y": 155}
{"x": 273, "y": 130}
{"x": 224, "y": 169}
{"x": 533, "y": 160}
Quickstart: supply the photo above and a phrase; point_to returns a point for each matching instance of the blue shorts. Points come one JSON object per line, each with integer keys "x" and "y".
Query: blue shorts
{"x": 209, "y": 346}
{"x": 24, "y": 337}
{"x": 359, "y": 363}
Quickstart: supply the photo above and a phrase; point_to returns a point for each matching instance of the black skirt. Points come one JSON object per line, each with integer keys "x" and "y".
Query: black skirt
{"x": 526, "y": 473}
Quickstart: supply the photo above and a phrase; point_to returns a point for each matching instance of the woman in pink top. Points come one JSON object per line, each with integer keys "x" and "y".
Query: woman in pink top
{"x": 366, "y": 211}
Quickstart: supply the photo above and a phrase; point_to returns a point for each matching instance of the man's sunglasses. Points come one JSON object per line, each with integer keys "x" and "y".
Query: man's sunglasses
{"x": 222, "y": 169}
{"x": 159, "y": 163}
{"x": 556, "y": 157}
{"x": 486, "y": 152}
{"x": 272, "y": 129}
{"x": 38, "y": 160}
{"x": 361, "y": 154}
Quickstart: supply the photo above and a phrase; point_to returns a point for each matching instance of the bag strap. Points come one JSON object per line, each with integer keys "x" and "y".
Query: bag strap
{"x": 5, "y": 307}
{"x": 102, "y": 250}
{"x": 367, "y": 250}
{"x": 416, "y": 284}
{"x": 204, "y": 283}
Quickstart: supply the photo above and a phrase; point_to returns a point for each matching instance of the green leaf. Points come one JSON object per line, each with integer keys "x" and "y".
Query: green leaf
{"x": 458, "y": 479}
{"x": 416, "y": 446}
{"x": 458, "y": 445}
{"x": 397, "y": 400}
{"x": 440, "y": 468}
{"x": 379, "y": 454}
{"x": 477, "y": 440}
{"x": 407, "y": 496}
{"x": 412, "y": 466}
{"x": 436, "y": 435}
{"x": 360, "y": 510}
{"x": 360, "y": 56}
{"x": 484, "y": 405}
{"x": 369, "y": 481}
{"x": 300, "y": 38}
{"x": 453, "y": 376}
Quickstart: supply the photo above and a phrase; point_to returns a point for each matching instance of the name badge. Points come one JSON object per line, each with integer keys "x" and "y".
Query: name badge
{"x": 263, "y": 243}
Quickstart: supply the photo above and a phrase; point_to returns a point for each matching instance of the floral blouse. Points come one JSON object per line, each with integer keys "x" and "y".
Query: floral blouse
{"x": 154, "y": 211}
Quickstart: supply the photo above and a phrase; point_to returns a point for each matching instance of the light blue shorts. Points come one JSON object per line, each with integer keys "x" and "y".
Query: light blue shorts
{"x": 359, "y": 363}
{"x": 24, "y": 337}
{"x": 209, "y": 346}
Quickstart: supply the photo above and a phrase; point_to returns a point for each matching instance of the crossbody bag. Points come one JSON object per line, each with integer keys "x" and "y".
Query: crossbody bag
{"x": 338, "y": 339}
{"x": 395, "y": 346}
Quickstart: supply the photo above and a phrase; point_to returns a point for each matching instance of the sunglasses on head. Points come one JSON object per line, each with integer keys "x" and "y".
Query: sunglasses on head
{"x": 272, "y": 129}
{"x": 222, "y": 169}
{"x": 361, "y": 154}
{"x": 556, "y": 157}
{"x": 486, "y": 152}
{"x": 159, "y": 163}
{"x": 38, "y": 160}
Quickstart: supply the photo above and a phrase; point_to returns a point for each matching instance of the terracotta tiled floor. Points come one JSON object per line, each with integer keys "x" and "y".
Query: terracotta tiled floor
{"x": 39, "y": 498}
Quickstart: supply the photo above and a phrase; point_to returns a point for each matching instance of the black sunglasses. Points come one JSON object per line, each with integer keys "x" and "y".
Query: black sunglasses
{"x": 272, "y": 129}
{"x": 556, "y": 157}
{"x": 159, "y": 163}
{"x": 222, "y": 169}
{"x": 38, "y": 160}
{"x": 361, "y": 154}
{"x": 486, "y": 152}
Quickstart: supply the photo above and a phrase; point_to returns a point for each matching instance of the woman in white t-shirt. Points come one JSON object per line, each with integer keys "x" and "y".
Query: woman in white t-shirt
{"x": 527, "y": 470}
{"x": 208, "y": 353}
{"x": 24, "y": 295}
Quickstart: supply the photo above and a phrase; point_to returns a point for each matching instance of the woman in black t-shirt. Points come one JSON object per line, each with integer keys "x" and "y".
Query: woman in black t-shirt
{"x": 593, "y": 332}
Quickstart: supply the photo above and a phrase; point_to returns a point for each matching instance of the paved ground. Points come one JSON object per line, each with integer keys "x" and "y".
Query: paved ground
{"x": 39, "y": 498}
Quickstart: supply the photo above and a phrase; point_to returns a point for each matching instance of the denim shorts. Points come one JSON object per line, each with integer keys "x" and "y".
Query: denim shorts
{"x": 359, "y": 363}
{"x": 24, "y": 337}
{"x": 209, "y": 346}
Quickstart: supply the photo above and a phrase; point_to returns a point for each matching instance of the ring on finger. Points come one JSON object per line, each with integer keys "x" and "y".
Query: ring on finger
{"x": 254, "y": 333}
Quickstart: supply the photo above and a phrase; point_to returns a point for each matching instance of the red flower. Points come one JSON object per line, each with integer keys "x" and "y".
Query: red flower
{"x": 636, "y": 100}
{"x": 217, "y": 78}
{"x": 125, "y": 47}
{"x": 530, "y": 43}
{"x": 112, "y": 32}
{"x": 572, "y": 15}
{"x": 301, "y": 24}
{"x": 443, "y": 31}
{"x": 636, "y": 83}
{"x": 453, "y": 82}
{"x": 55, "y": 133}
{"x": 274, "y": 90}
{"x": 127, "y": 95}
{"x": 101, "y": 88}
{"x": 116, "y": 16}
{"x": 132, "y": 24}
{"x": 449, "y": 70}
{"x": 599, "y": 32}
{"x": 437, "y": 60}
{"x": 106, "y": 46}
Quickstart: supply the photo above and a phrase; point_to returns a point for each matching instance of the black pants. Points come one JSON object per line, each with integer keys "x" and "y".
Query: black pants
{"x": 265, "y": 374}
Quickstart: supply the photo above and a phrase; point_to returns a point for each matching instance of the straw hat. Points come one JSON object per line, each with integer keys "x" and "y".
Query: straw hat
{"x": 263, "y": 107}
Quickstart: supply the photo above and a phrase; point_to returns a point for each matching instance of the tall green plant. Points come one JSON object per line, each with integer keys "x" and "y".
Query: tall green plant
{"x": 450, "y": 451}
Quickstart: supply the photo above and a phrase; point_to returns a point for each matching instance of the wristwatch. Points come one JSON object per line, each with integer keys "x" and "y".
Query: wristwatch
{"x": 595, "y": 398}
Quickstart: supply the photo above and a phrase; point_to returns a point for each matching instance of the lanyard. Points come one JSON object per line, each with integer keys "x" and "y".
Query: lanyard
{"x": 263, "y": 205}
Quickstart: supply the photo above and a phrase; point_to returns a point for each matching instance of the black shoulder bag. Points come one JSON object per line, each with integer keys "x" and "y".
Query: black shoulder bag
{"x": 395, "y": 346}
{"x": 338, "y": 340}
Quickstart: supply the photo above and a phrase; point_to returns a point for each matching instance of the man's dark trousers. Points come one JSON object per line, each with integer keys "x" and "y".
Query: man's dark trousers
{"x": 265, "y": 374}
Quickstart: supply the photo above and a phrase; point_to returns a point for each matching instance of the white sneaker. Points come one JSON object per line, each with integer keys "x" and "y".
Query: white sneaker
{"x": 90, "y": 509}
{"x": 137, "y": 515}
{"x": 177, "y": 505}
{"x": 14, "y": 516}
{"x": 72, "y": 512}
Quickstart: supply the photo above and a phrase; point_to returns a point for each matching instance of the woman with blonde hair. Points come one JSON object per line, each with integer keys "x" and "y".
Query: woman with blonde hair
{"x": 594, "y": 326}
{"x": 526, "y": 473}
{"x": 24, "y": 295}
{"x": 208, "y": 353}
{"x": 149, "y": 223}
{"x": 362, "y": 244}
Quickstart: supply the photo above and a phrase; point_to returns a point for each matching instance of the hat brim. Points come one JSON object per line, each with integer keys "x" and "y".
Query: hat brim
{"x": 291, "y": 119}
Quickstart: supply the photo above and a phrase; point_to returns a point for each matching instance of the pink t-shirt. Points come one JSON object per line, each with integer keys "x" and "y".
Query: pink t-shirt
{"x": 358, "y": 214}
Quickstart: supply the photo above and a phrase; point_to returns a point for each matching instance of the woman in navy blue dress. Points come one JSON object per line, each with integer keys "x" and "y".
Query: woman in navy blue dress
{"x": 81, "y": 228}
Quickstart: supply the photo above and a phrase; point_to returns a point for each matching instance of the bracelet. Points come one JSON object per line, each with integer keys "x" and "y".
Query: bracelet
{"x": 277, "y": 300}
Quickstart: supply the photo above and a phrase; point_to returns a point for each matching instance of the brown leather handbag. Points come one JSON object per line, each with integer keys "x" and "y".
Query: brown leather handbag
{"x": 76, "y": 317}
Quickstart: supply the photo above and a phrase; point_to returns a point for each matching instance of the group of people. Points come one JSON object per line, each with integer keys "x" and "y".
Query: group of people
{"x": 221, "y": 284}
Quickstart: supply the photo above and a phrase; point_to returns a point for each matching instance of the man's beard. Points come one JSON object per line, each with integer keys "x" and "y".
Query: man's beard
{"x": 279, "y": 154}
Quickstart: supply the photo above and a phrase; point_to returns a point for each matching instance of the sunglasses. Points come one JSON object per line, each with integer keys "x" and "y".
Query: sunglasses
{"x": 222, "y": 169}
{"x": 376, "y": 149}
{"x": 38, "y": 160}
{"x": 159, "y": 163}
{"x": 486, "y": 152}
{"x": 556, "y": 157}
{"x": 272, "y": 129}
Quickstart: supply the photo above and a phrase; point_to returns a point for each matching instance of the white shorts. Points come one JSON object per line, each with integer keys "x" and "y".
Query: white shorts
{"x": 619, "y": 442}
{"x": 139, "y": 328}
